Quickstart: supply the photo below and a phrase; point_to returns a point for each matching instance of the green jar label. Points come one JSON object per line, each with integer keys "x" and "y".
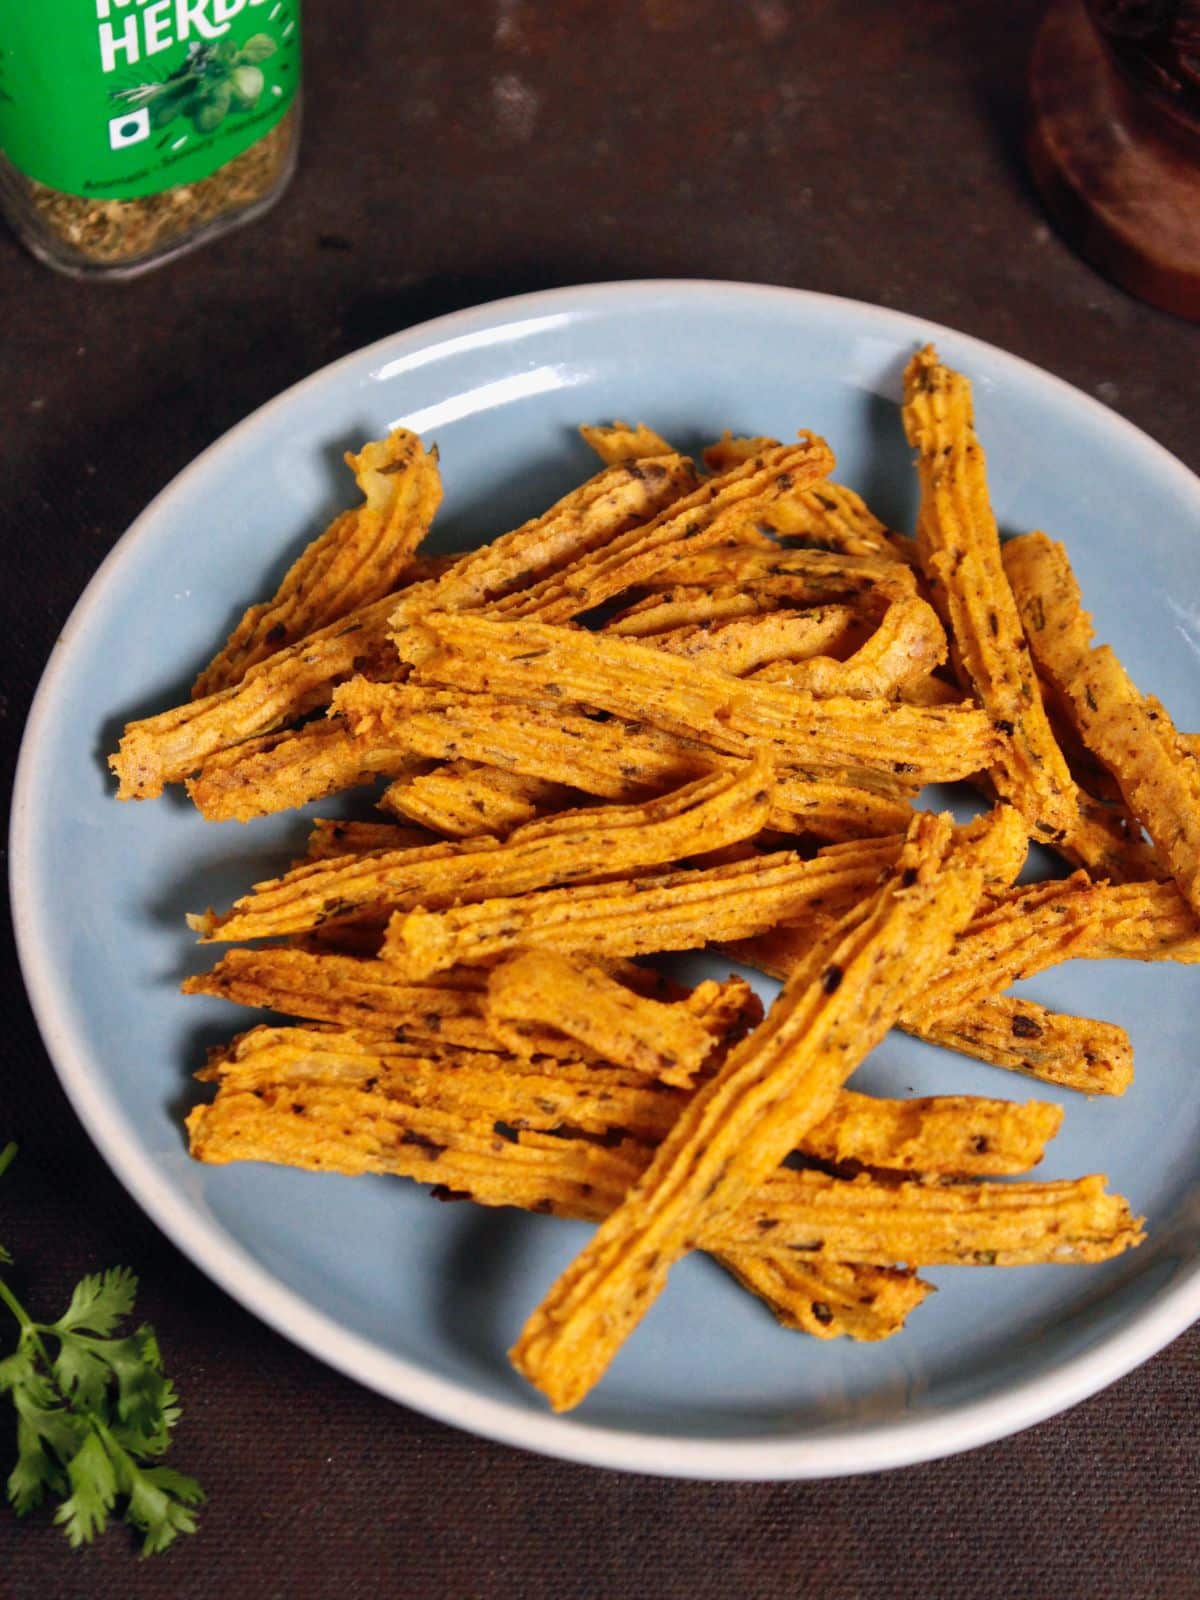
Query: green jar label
{"x": 115, "y": 99}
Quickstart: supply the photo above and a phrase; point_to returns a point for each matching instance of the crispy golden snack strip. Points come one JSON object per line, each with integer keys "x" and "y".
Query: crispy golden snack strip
{"x": 803, "y": 577}
{"x": 352, "y": 992}
{"x": 169, "y": 747}
{"x": 564, "y": 748}
{"x": 954, "y": 1135}
{"x": 612, "y": 759}
{"x": 935, "y": 1224}
{"x": 607, "y": 509}
{"x": 365, "y": 995}
{"x": 740, "y": 1125}
{"x": 1035, "y": 927}
{"x": 705, "y": 517}
{"x": 830, "y": 1299}
{"x": 676, "y": 910}
{"x": 533, "y": 661}
{"x": 1108, "y": 845}
{"x": 464, "y": 799}
{"x": 721, "y": 808}
{"x": 617, "y": 442}
{"x": 330, "y": 838}
{"x": 291, "y": 768}
{"x": 1071, "y": 1052}
{"x": 325, "y": 1127}
{"x": 959, "y": 549}
{"x": 360, "y": 557}
{"x": 748, "y": 643}
{"x": 685, "y": 910}
{"x": 1135, "y": 739}
{"x": 903, "y": 650}
{"x": 830, "y": 517}
{"x": 546, "y": 989}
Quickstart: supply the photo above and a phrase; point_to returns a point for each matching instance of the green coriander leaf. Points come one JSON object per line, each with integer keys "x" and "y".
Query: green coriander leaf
{"x": 94, "y": 1491}
{"x": 159, "y": 1501}
{"x": 47, "y": 1437}
{"x": 16, "y": 1369}
{"x": 82, "y": 1375}
{"x": 99, "y": 1302}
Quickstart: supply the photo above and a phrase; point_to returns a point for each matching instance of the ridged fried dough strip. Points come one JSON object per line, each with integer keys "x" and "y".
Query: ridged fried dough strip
{"x": 520, "y": 660}
{"x": 740, "y": 1125}
{"x": 959, "y": 549}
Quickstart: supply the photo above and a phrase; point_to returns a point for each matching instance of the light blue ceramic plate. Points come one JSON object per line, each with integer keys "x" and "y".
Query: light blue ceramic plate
{"x": 420, "y": 1300}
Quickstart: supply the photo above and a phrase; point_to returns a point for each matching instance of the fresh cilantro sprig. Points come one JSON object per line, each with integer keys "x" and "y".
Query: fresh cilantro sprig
{"x": 94, "y": 1414}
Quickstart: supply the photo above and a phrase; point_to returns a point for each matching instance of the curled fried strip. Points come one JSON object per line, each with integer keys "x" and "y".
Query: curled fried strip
{"x": 705, "y": 517}
{"x": 804, "y": 577}
{"x": 465, "y": 799}
{"x": 546, "y": 989}
{"x": 1072, "y": 1052}
{"x": 330, "y": 838}
{"x": 830, "y": 1299}
{"x": 748, "y": 643}
{"x": 614, "y": 760}
{"x": 1133, "y": 737}
{"x": 955, "y": 1135}
{"x": 169, "y": 747}
{"x": 291, "y": 768}
{"x": 719, "y": 809}
{"x": 530, "y": 661}
{"x": 360, "y": 557}
{"x": 903, "y": 650}
{"x": 682, "y": 910}
{"x": 618, "y": 442}
{"x": 959, "y": 549}
{"x": 1031, "y": 928}
{"x": 557, "y": 1176}
{"x": 738, "y": 1127}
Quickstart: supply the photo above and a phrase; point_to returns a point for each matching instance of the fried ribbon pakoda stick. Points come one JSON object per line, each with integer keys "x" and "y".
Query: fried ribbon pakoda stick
{"x": 804, "y": 1215}
{"x": 170, "y": 746}
{"x": 830, "y": 1299}
{"x": 685, "y": 910}
{"x": 360, "y": 557}
{"x": 748, "y": 643}
{"x": 612, "y": 759}
{"x": 465, "y": 799}
{"x": 738, "y": 1127}
{"x": 1135, "y": 739}
{"x": 291, "y": 768}
{"x": 903, "y": 650}
{"x": 677, "y": 910}
{"x": 830, "y": 517}
{"x": 721, "y": 808}
{"x": 955, "y": 1135}
{"x": 1071, "y": 1052}
{"x": 702, "y": 518}
{"x": 804, "y": 577}
{"x": 959, "y": 549}
{"x": 546, "y": 989}
{"x": 617, "y": 442}
{"x": 530, "y": 661}
{"x": 861, "y": 1302}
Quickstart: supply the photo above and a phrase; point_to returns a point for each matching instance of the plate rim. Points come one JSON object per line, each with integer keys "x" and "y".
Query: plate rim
{"x": 853, "y": 1449}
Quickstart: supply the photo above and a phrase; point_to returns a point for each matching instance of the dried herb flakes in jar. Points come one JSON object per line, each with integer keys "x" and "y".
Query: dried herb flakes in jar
{"x": 133, "y": 129}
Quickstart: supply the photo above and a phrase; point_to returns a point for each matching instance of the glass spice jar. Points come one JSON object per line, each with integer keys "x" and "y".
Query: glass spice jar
{"x": 131, "y": 130}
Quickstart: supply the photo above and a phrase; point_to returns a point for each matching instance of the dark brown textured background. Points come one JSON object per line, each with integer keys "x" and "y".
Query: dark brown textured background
{"x": 455, "y": 153}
